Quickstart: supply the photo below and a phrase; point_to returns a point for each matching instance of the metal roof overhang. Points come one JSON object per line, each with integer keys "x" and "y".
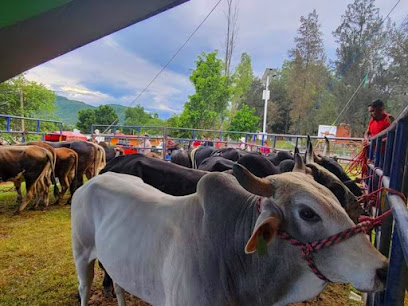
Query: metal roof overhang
{"x": 55, "y": 29}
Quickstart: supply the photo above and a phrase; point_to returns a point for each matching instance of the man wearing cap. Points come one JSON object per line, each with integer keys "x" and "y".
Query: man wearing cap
{"x": 380, "y": 120}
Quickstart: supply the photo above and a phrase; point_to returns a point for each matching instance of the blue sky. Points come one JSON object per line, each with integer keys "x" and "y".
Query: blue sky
{"x": 116, "y": 68}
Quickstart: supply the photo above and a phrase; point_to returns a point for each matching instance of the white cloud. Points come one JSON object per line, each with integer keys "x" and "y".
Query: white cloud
{"x": 107, "y": 72}
{"x": 104, "y": 64}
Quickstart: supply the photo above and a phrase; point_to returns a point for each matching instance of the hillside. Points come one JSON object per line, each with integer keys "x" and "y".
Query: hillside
{"x": 67, "y": 110}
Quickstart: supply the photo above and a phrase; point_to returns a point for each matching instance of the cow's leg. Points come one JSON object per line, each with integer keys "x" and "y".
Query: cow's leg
{"x": 85, "y": 272}
{"x": 107, "y": 283}
{"x": 119, "y": 295}
{"x": 30, "y": 187}
{"x": 64, "y": 187}
{"x": 17, "y": 185}
{"x": 46, "y": 193}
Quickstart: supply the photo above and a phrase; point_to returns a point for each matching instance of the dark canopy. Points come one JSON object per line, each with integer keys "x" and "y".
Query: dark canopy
{"x": 35, "y": 31}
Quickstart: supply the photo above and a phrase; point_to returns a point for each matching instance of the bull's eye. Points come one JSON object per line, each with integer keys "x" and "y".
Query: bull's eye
{"x": 309, "y": 215}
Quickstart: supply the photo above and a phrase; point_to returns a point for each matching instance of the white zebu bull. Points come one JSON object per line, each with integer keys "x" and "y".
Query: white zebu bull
{"x": 195, "y": 250}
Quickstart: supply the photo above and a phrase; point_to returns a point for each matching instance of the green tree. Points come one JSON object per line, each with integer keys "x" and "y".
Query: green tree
{"x": 253, "y": 97}
{"x": 207, "y": 107}
{"x": 241, "y": 82}
{"x": 360, "y": 51}
{"x": 279, "y": 106}
{"x": 398, "y": 69}
{"x": 136, "y": 115}
{"x": 86, "y": 117}
{"x": 36, "y": 97}
{"x": 307, "y": 74}
{"x": 103, "y": 115}
{"x": 244, "y": 120}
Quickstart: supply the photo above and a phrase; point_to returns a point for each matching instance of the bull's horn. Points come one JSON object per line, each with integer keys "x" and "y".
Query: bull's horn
{"x": 309, "y": 153}
{"x": 296, "y": 150}
{"x": 326, "y": 148}
{"x": 259, "y": 186}
{"x": 316, "y": 158}
{"x": 299, "y": 164}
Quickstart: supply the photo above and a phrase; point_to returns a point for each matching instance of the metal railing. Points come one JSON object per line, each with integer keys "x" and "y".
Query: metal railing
{"x": 388, "y": 164}
{"x": 23, "y": 133}
{"x": 249, "y": 142}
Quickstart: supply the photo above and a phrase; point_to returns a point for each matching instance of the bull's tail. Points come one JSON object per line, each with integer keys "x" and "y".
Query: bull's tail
{"x": 96, "y": 162}
{"x": 76, "y": 171}
{"x": 193, "y": 159}
{"x": 52, "y": 157}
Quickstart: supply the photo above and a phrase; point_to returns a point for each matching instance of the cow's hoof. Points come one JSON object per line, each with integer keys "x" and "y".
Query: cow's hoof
{"x": 16, "y": 213}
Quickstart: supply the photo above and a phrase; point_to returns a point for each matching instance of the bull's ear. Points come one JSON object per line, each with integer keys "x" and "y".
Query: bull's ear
{"x": 259, "y": 186}
{"x": 265, "y": 231}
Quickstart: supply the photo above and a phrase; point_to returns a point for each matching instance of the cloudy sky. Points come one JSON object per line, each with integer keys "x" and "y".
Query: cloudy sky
{"x": 116, "y": 68}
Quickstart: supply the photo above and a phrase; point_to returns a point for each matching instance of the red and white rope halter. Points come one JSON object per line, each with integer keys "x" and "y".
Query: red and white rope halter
{"x": 307, "y": 249}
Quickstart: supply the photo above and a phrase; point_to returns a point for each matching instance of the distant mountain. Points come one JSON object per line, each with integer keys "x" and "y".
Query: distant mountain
{"x": 67, "y": 110}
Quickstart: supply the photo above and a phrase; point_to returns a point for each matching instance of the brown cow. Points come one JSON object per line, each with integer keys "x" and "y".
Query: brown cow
{"x": 66, "y": 170}
{"x": 51, "y": 149}
{"x": 86, "y": 157}
{"x": 41, "y": 185}
{"x": 31, "y": 162}
{"x": 99, "y": 162}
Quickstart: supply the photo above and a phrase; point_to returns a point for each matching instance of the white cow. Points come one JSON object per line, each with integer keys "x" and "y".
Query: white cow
{"x": 201, "y": 249}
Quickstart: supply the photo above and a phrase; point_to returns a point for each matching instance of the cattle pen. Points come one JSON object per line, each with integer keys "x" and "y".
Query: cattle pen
{"x": 388, "y": 173}
{"x": 343, "y": 148}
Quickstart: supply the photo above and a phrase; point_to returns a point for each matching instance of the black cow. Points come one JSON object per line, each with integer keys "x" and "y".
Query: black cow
{"x": 181, "y": 157}
{"x": 200, "y": 154}
{"x": 170, "y": 178}
{"x": 111, "y": 151}
{"x": 258, "y": 165}
{"x": 279, "y": 157}
{"x": 337, "y": 170}
{"x": 228, "y": 153}
{"x": 286, "y": 165}
{"x": 216, "y": 164}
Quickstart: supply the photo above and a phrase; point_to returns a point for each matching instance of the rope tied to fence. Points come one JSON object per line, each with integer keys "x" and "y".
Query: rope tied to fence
{"x": 368, "y": 199}
{"x": 359, "y": 163}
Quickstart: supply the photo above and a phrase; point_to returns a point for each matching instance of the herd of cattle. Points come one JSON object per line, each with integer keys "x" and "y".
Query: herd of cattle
{"x": 41, "y": 163}
{"x": 175, "y": 233}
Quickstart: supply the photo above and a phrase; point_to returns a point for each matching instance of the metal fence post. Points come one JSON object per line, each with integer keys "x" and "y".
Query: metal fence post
{"x": 397, "y": 272}
{"x": 274, "y": 141}
{"x": 38, "y": 127}
{"x": 8, "y": 124}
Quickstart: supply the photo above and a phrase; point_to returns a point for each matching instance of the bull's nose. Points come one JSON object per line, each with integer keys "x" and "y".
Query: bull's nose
{"x": 382, "y": 274}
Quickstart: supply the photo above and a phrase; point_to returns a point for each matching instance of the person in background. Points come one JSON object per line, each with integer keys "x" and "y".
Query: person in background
{"x": 218, "y": 143}
{"x": 146, "y": 144}
{"x": 380, "y": 120}
{"x": 196, "y": 143}
{"x": 171, "y": 145}
{"x": 265, "y": 150}
{"x": 208, "y": 142}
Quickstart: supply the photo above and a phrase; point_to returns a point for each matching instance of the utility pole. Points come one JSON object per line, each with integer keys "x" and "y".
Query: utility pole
{"x": 22, "y": 109}
{"x": 269, "y": 72}
{"x": 266, "y": 95}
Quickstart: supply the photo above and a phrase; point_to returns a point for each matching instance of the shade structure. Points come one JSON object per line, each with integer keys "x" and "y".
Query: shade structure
{"x": 33, "y": 32}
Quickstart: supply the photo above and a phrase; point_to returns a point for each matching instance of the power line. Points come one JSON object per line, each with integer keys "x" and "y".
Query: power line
{"x": 348, "y": 102}
{"x": 165, "y": 66}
